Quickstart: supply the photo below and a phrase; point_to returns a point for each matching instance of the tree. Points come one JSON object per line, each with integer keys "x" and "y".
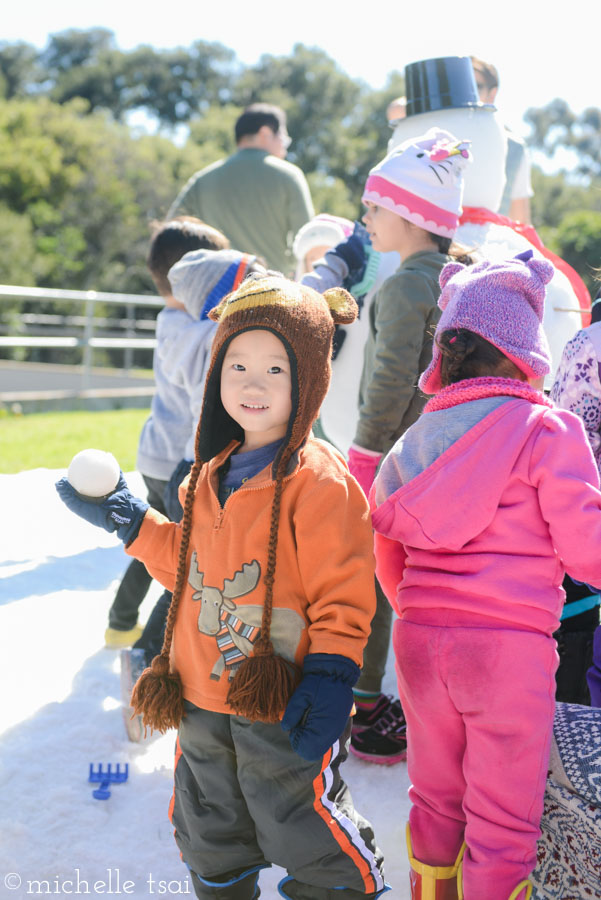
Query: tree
{"x": 175, "y": 85}
{"x": 556, "y": 127}
{"x": 368, "y": 135}
{"x": 171, "y": 85}
{"x": 555, "y": 197}
{"x": 88, "y": 188}
{"x": 578, "y": 241}
{"x": 18, "y": 69}
{"x": 78, "y": 192}
{"x": 212, "y": 134}
{"x": 18, "y": 248}
{"x": 71, "y": 49}
{"x": 331, "y": 195}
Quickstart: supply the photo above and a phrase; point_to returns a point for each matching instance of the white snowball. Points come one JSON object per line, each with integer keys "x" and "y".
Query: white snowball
{"x": 93, "y": 473}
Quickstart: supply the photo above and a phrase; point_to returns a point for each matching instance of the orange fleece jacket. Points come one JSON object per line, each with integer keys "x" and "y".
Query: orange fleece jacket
{"x": 324, "y": 596}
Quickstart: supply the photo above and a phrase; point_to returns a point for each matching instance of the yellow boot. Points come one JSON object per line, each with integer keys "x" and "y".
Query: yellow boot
{"x": 435, "y": 882}
{"x": 517, "y": 891}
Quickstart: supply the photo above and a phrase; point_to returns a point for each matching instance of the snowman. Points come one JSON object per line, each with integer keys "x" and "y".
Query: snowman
{"x": 442, "y": 93}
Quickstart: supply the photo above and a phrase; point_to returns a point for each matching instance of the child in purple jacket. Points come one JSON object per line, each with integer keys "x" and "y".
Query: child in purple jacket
{"x": 479, "y": 509}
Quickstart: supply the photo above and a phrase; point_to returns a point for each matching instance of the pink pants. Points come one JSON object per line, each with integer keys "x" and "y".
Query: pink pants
{"x": 479, "y": 704}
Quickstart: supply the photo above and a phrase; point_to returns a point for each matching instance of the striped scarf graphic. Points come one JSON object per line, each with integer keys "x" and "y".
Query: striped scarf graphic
{"x": 232, "y": 656}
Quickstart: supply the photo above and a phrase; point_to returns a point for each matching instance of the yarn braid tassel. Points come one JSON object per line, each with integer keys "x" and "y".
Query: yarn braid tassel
{"x": 263, "y": 685}
{"x": 157, "y": 696}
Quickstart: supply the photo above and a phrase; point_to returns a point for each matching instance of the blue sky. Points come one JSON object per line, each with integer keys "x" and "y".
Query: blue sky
{"x": 542, "y": 50}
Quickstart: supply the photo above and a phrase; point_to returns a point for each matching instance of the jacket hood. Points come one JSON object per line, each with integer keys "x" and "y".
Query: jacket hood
{"x": 453, "y": 499}
{"x": 202, "y": 278}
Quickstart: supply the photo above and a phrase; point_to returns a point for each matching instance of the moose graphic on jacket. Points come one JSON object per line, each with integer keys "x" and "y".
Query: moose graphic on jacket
{"x": 236, "y": 628}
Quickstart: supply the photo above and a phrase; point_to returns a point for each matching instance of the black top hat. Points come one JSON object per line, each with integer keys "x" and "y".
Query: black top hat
{"x": 447, "y": 82}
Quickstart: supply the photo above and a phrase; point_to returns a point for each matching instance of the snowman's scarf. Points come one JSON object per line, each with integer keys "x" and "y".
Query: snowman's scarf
{"x": 479, "y": 215}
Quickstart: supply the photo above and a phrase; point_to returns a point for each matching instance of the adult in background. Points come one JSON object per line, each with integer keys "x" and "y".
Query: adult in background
{"x": 515, "y": 201}
{"x": 396, "y": 110}
{"x": 256, "y": 198}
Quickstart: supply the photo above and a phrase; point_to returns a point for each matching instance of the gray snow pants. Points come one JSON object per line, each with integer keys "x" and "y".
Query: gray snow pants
{"x": 243, "y": 798}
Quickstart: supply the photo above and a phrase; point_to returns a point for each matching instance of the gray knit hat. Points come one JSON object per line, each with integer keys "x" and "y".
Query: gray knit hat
{"x": 202, "y": 278}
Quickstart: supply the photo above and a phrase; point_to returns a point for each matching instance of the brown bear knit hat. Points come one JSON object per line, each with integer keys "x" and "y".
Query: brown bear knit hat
{"x": 304, "y": 321}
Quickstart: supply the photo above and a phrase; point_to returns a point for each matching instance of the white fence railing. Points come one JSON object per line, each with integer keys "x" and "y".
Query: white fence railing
{"x": 85, "y": 323}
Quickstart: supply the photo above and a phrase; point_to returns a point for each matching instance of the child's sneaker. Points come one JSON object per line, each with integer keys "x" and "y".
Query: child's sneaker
{"x": 367, "y": 714}
{"x": 133, "y": 663}
{"x": 115, "y": 638}
{"x": 386, "y": 741}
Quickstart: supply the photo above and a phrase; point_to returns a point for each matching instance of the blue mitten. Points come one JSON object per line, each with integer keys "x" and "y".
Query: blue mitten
{"x": 361, "y": 260}
{"x": 319, "y": 708}
{"x": 120, "y": 511}
{"x": 352, "y": 251}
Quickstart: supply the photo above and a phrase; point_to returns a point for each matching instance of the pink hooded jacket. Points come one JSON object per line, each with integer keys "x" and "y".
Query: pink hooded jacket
{"x": 480, "y": 507}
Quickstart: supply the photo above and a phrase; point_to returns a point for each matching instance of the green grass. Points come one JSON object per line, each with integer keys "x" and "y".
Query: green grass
{"x": 50, "y": 440}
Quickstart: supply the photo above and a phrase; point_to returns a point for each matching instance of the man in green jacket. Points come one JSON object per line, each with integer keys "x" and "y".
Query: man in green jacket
{"x": 256, "y": 198}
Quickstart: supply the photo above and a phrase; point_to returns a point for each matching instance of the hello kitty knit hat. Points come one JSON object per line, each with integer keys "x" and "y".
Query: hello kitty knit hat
{"x": 422, "y": 181}
{"x": 503, "y": 302}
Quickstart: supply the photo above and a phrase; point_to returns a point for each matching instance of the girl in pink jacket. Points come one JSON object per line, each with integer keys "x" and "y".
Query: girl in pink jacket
{"x": 479, "y": 509}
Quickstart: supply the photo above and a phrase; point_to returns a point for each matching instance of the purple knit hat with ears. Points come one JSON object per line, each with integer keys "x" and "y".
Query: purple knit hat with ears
{"x": 501, "y": 301}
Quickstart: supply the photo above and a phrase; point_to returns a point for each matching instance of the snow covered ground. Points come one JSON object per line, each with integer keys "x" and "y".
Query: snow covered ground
{"x": 60, "y": 711}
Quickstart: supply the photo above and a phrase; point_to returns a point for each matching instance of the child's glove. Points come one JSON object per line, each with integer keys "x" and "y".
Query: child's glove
{"x": 353, "y": 251}
{"x": 171, "y": 495}
{"x": 120, "y": 512}
{"x": 362, "y": 466}
{"x": 319, "y": 708}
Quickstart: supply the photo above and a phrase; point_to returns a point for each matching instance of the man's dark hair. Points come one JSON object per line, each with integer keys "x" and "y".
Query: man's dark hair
{"x": 255, "y": 116}
{"x": 170, "y": 240}
{"x": 487, "y": 71}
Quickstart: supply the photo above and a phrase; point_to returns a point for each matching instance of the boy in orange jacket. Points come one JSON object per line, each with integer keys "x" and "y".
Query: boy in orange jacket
{"x": 271, "y": 570}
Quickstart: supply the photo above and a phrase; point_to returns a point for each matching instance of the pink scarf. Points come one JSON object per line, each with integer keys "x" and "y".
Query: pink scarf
{"x": 478, "y": 388}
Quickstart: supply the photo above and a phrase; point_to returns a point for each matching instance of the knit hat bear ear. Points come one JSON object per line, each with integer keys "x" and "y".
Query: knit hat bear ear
{"x": 448, "y": 271}
{"x": 543, "y": 268}
{"x": 534, "y": 291}
{"x": 525, "y": 274}
{"x": 215, "y": 313}
{"x": 342, "y": 305}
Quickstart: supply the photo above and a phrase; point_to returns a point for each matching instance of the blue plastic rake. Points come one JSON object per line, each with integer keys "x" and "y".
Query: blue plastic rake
{"x": 104, "y": 778}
